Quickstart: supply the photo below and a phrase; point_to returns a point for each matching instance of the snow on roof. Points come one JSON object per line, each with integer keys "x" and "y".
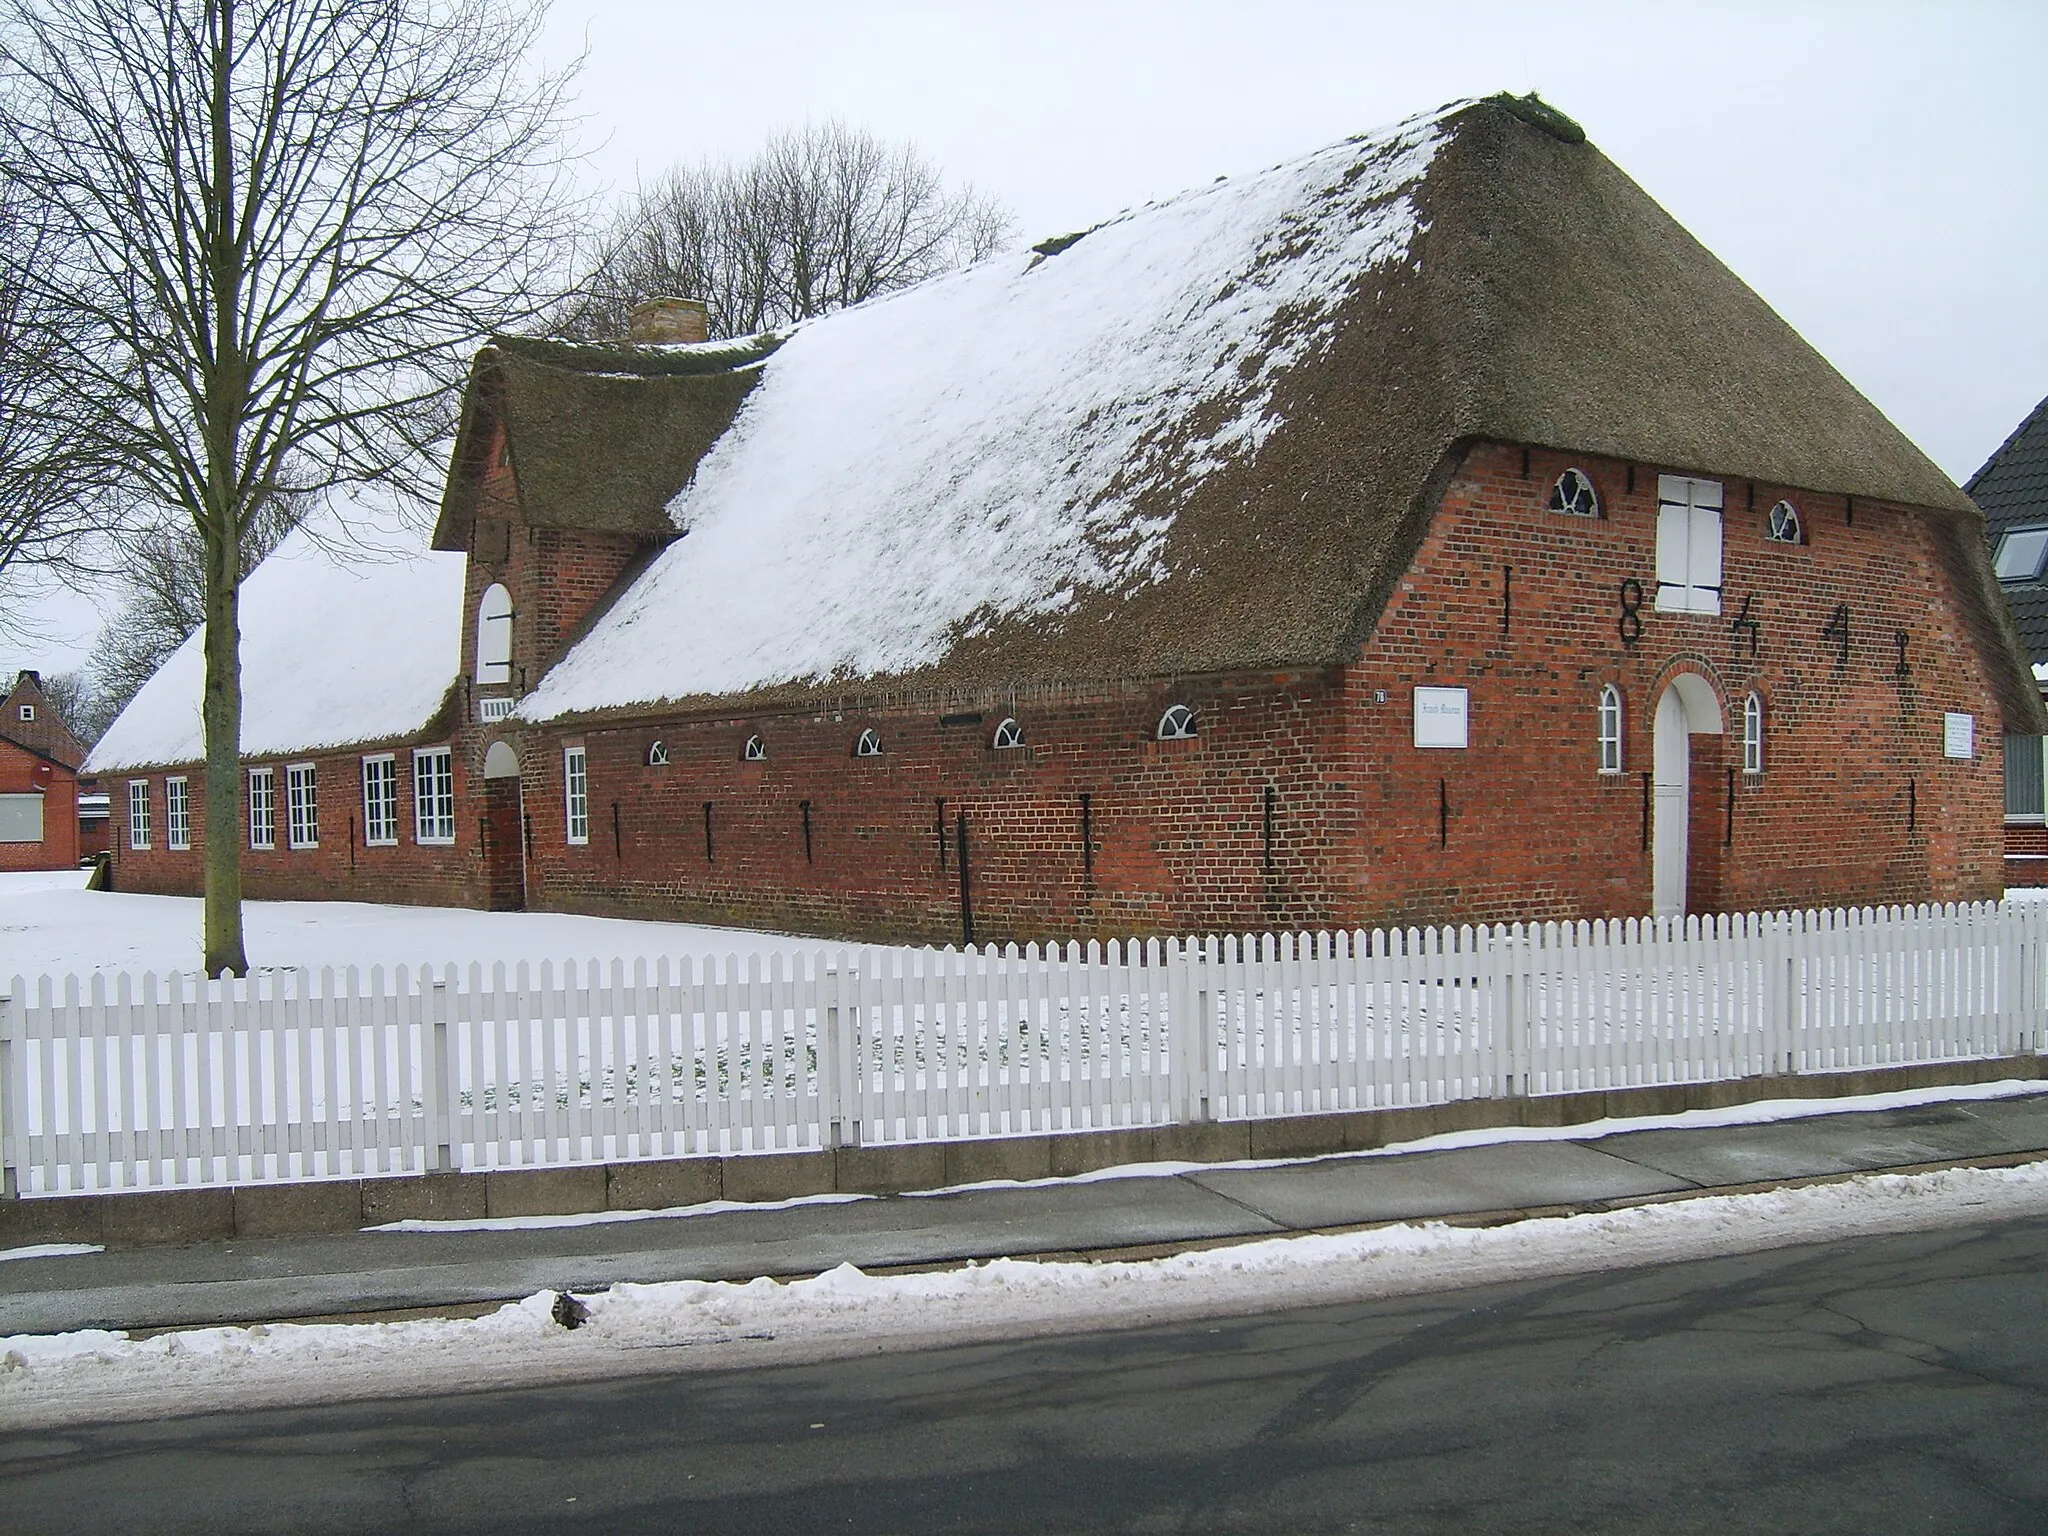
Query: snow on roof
{"x": 340, "y": 645}
{"x": 993, "y": 443}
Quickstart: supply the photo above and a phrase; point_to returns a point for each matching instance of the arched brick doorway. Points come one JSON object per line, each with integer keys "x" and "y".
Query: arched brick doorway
{"x": 504, "y": 842}
{"x": 1682, "y": 880}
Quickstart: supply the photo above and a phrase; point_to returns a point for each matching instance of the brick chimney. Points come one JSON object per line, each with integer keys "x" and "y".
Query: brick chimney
{"x": 658, "y": 322}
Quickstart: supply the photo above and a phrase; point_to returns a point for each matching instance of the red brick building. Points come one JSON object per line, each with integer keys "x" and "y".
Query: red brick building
{"x": 1429, "y": 529}
{"x": 39, "y": 760}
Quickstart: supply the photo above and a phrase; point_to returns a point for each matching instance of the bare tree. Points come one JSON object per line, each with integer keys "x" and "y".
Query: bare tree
{"x": 50, "y": 496}
{"x": 286, "y": 222}
{"x": 821, "y": 218}
{"x": 163, "y": 573}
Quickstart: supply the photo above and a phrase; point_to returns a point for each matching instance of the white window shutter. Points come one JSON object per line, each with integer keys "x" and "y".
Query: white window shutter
{"x": 1673, "y": 554}
{"x": 1703, "y": 560}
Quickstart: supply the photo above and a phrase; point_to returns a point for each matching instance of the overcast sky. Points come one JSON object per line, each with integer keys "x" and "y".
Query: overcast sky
{"x": 1875, "y": 171}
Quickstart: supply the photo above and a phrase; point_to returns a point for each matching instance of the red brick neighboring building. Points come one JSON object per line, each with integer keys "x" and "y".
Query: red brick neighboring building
{"x": 39, "y": 759}
{"x": 1463, "y": 542}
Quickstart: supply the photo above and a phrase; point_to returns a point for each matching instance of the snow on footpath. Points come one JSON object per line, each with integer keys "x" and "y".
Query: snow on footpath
{"x": 693, "y": 1325}
{"x": 50, "y": 924}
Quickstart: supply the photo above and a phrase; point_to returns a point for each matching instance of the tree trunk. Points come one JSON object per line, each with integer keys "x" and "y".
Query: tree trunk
{"x": 221, "y": 713}
{"x": 221, "y": 530}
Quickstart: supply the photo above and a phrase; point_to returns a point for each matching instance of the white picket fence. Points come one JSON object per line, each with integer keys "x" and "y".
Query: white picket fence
{"x": 123, "y": 1083}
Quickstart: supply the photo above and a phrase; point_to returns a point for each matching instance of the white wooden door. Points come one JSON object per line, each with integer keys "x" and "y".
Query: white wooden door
{"x": 1671, "y": 804}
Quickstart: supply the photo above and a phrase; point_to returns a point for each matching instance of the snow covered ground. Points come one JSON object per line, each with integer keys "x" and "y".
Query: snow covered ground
{"x": 692, "y": 1325}
{"x": 49, "y": 923}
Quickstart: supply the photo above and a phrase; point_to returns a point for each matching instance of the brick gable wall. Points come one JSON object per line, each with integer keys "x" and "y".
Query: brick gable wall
{"x": 24, "y": 772}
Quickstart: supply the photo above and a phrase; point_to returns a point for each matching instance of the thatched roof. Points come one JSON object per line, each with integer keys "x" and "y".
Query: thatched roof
{"x": 1208, "y": 435}
{"x": 602, "y": 435}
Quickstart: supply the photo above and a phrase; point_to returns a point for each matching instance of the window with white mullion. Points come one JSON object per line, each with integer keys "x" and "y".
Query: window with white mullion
{"x": 433, "y": 795}
{"x": 1688, "y": 545}
{"x": 138, "y": 813}
{"x": 302, "y": 806}
{"x": 380, "y": 800}
{"x": 576, "y": 792}
{"x": 262, "y": 808}
{"x": 177, "y": 815}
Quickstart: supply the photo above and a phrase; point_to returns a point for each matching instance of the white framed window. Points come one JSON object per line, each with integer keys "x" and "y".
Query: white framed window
{"x": 1785, "y": 526}
{"x": 1574, "y": 494}
{"x": 1610, "y": 729}
{"x": 262, "y": 808}
{"x": 755, "y": 751}
{"x": 1008, "y": 734}
{"x": 2019, "y": 554}
{"x": 302, "y": 806}
{"x": 177, "y": 814}
{"x": 1688, "y": 545}
{"x": 28, "y": 713}
{"x": 1177, "y": 724}
{"x": 433, "y": 795}
{"x": 1753, "y": 734}
{"x": 2025, "y": 781}
{"x": 494, "y": 635}
{"x": 869, "y": 745}
{"x": 491, "y": 711}
{"x": 138, "y": 813}
{"x": 21, "y": 818}
{"x": 380, "y": 800}
{"x": 576, "y": 793}
{"x": 657, "y": 754}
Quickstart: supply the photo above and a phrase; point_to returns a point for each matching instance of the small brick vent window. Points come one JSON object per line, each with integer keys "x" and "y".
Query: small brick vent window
{"x": 869, "y": 745}
{"x": 1610, "y": 729}
{"x": 755, "y": 751}
{"x": 1753, "y": 734}
{"x": 1008, "y": 734}
{"x": 1177, "y": 724}
{"x": 1574, "y": 494}
{"x": 1784, "y": 526}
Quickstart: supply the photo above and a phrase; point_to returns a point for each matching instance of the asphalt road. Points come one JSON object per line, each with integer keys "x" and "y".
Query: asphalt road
{"x": 1884, "y": 1384}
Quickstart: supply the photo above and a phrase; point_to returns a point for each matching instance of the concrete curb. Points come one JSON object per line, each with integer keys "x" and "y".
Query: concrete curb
{"x": 141, "y": 1218}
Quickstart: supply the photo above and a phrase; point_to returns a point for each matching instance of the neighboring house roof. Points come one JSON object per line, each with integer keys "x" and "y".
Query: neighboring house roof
{"x": 2012, "y": 491}
{"x": 336, "y": 649}
{"x": 1206, "y": 435}
{"x": 47, "y": 735}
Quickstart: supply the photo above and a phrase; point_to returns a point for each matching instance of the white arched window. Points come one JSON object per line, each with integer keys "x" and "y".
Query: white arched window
{"x": 1177, "y": 724}
{"x": 755, "y": 751}
{"x": 1610, "y": 729}
{"x": 1753, "y": 734}
{"x": 494, "y": 635}
{"x": 1008, "y": 734}
{"x": 869, "y": 745}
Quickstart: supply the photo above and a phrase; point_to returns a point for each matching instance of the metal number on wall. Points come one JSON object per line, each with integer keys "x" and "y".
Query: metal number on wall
{"x": 1630, "y": 624}
{"x": 1837, "y": 630}
{"x": 1744, "y": 622}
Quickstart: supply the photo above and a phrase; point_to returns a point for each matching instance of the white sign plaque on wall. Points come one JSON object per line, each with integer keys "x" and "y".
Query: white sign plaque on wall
{"x": 1959, "y": 735}
{"x": 1440, "y": 717}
